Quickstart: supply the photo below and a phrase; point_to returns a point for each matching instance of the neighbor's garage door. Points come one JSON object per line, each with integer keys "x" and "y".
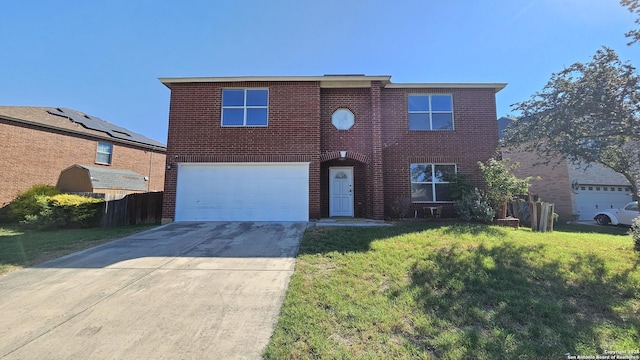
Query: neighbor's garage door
{"x": 242, "y": 192}
{"x": 593, "y": 198}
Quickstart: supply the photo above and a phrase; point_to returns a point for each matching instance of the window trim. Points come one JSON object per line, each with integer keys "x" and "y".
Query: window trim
{"x": 430, "y": 112}
{"x": 98, "y": 152}
{"x": 433, "y": 183}
{"x": 244, "y": 107}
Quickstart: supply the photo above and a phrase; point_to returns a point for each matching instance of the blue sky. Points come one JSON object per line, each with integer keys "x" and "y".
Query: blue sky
{"x": 104, "y": 58}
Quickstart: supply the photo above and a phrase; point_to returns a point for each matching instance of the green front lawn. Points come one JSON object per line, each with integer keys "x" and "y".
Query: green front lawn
{"x": 460, "y": 291}
{"x": 21, "y": 248}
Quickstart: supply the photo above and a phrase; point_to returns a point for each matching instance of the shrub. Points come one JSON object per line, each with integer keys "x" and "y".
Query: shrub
{"x": 66, "y": 210}
{"x": 27, "y": 203}
{"x": 459, "y": 185}
{"x": 502, "y": 184}
{"x": 475, "y": 206}
{"x": 635, "y": 233}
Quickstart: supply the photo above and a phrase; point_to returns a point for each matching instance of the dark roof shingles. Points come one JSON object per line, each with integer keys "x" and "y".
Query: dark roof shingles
{"x": 69, "y": 120}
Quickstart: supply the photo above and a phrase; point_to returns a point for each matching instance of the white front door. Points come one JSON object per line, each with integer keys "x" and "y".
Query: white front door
{"x": 341, "y": 191}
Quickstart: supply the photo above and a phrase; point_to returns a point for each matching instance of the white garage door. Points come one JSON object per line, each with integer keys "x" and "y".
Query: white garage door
{"x": 593, "y": 198}
{"x": 242, "y": 192}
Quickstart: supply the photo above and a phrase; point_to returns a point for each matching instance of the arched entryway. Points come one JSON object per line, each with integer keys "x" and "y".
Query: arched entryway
{"x": 344, "y": 188}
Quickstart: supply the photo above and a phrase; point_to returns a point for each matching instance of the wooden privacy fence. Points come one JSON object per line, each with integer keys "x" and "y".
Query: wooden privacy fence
{"x": 133, "y": 209}
{"x": 531, "y": 211}
{"x": 541, "y": 216}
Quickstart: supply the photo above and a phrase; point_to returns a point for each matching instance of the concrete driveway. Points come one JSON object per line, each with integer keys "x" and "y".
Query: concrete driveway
{"x": 179, "y": 291}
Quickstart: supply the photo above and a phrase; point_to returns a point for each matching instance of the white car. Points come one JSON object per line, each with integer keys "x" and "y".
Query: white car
{"x": 622, "y": 216}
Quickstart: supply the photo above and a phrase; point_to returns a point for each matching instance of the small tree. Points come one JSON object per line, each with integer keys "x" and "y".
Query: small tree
{"x": 587, "y": 113}
{"x": 502, "y": 184}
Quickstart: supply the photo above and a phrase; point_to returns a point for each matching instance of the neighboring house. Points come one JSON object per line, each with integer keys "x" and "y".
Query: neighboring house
{"x": 295, "y": 148}
{"x": 114, "y": 183}
{"x": 578, "y": 192}
{"x": 37, "y": 143}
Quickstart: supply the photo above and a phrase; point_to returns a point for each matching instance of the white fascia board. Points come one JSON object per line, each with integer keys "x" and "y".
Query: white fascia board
{"x": 496, "y": 86}
{"x": 168, "y": 80}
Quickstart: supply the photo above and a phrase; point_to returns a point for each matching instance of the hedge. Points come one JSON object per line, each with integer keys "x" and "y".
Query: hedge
{"x": 26, "y": 203}
{"x": 66, "y": 210}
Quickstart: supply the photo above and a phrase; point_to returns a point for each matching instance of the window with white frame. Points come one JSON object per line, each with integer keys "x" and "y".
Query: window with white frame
{"x": 104, "y": 153}
{"x": 430, "y": 111}
{"x": 430, "y": 182}
{"x": 245, "y": 107}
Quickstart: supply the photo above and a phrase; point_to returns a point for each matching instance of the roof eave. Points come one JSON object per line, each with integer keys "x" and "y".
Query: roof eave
{"x": 325, "y": 80}
{"x": 495, "y": 86}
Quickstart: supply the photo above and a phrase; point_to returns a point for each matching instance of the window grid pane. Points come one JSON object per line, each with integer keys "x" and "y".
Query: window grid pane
{"x": 257, "y": 116}
{"x": 421, "y": 173}
{"x": 245, "y": 107}
{"x": 103, "y": 153}
{"x": 442, "y": 122}
{"x": 430, "y": 112}
{"x": 232, "y": 97}
{"x": 418, "y": 103}
{"x": 430, "y": 182}
{"x": 233, "y": 117}
{"x": 257, "y": 97}
{"x": 441, "y": 103}
{"x": 421, "y": 192}
{"x": 419, "y": 122}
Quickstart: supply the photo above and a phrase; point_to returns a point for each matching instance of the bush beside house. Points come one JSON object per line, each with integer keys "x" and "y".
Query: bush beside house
{"x": 66, "y": 210}
{"x": 44, "y": 207}
{"x": 26, "y": 203}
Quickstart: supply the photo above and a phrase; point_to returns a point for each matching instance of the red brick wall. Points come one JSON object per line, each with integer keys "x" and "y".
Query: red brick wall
{"x": 300, "y": 129}
{"x": 474, "y": 139}
{"x": 196, "y": 135}
{"x": 357, "y": 139}
{"x": 31, "y": 155}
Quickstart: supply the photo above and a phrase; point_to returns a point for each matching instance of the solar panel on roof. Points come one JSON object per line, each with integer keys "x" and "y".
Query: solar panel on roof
{"x": 95, "y": 123}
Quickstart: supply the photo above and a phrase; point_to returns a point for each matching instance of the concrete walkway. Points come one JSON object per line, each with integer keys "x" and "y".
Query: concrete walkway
{"x": 180, "y": 291}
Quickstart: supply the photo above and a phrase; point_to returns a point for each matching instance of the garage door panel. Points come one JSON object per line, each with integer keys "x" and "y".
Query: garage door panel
{"x": 243, "y": 192}
{"x": 593, "y": 199}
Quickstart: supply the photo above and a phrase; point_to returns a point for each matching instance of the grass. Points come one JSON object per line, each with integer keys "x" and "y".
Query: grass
{"x": 460, "y": 291}
{"x": 22, "y": 248}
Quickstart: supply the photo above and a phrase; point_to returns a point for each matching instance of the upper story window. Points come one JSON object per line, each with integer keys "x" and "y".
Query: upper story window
{"x": 430, "y": 112}
{"x": 430, "y": 182}
{"x": 245, "y": 107}
{"x": 104, "y": 152}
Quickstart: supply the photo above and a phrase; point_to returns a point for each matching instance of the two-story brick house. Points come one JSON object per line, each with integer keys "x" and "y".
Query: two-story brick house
{"x": 294, "y": 148}
{"x": 38, "y": 143}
